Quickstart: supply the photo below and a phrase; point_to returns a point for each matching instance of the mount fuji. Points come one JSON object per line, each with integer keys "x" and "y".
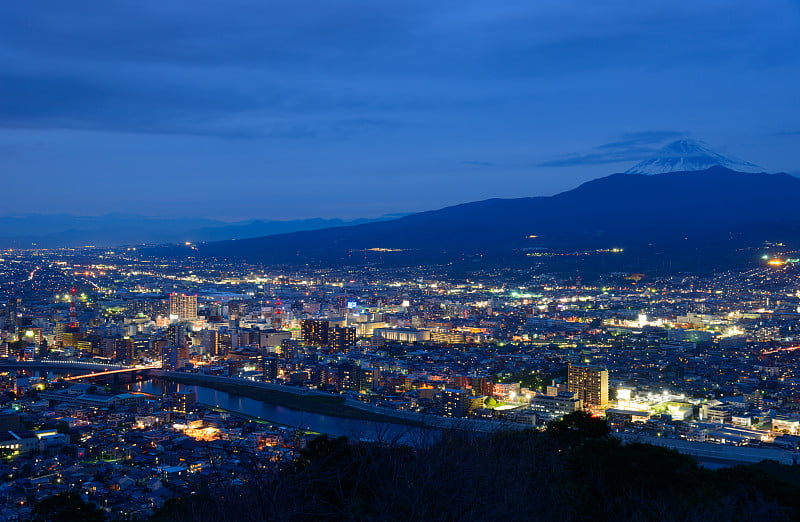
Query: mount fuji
{"x": 689, "y": 156}
{"x": 685, "y": 208}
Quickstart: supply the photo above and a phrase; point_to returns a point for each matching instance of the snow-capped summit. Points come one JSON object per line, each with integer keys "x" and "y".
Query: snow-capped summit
{"x": 688, "y": 155}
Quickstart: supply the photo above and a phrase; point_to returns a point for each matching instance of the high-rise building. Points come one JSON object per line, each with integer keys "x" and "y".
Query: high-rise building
{"x": 211, "y": 345}
{"x": 589, "y": 383}
{"x": 117, "y": 348}
{"x": 341, "y": 338}
{"x": 319, "y": 376}
{"x": 369, "y": 378}
{"x": 455, "y": 403}
{"x": 182, "y": 307}
{"x": 169, "y": 357}
{"x": 349, "y": 377}
{"x": 315, "y": 331}
{"x": 14, "y": 313}
{"x": 269, "y": 367}
{"x": 176, "y": 334}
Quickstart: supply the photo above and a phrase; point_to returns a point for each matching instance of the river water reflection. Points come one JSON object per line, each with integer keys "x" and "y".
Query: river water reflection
{"x": 336, "y": 426}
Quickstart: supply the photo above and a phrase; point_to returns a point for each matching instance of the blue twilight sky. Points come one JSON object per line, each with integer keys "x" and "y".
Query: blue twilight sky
{"x": 285, "y": 109}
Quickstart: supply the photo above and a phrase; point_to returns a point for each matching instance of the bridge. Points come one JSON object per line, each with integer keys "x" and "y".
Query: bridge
{"x": 65, "y": 364}
{"x": 109, "y": 372}
{"x": 96, "y": 368}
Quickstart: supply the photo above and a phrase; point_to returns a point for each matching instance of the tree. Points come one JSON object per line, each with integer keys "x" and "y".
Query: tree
{"x": 577, "y": 427}
{"x": 66, "y": 507}
{"x": 62, "y": 427}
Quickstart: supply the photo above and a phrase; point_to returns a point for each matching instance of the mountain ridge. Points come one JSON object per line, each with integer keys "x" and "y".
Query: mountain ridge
{"x": 619, "y": 210}
{"x": 116, "y": 228}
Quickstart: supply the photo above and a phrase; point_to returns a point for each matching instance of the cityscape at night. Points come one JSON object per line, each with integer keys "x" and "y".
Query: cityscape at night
{"x": 399, "y": 261}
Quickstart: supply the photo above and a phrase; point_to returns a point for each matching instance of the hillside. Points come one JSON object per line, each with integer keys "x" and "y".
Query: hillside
{"x": 715, "y": 207}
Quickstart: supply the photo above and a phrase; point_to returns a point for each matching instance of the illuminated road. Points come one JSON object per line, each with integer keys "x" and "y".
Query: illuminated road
{"x": 108, "y": 372}
{"x": 33, "y": 273}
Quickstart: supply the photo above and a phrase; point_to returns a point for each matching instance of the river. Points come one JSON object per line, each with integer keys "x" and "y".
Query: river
{"x": 335, "y": 426}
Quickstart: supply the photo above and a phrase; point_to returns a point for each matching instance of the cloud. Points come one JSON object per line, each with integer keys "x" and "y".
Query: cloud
{"x": 630, "y": 147}
{"x": 243, "y": 68}
{"x": 475, "y": 163}
{"x": 639, "y": 139}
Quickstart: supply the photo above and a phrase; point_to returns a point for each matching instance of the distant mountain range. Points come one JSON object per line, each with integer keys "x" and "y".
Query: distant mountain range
{"x": 63, "y": 230}
{"x": 716, "y": 210}
{"x": 684, "y": 207}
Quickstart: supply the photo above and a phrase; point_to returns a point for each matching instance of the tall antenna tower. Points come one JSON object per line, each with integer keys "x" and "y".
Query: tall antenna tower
{"x": 277, "y": 323}
{"x": 73, "y": 315}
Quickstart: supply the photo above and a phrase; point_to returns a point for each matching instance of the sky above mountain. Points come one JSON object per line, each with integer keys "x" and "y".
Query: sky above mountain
{"x": 282, "y": 109}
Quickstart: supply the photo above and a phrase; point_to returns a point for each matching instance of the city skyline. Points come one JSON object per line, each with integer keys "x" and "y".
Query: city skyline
{"x": 227, "y": 111}
{"x": 399, "y": 260}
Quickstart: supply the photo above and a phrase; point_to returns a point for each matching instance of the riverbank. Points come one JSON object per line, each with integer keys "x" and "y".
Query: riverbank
{"x": 254, "y": 418}
{"x": 324, "y": 404}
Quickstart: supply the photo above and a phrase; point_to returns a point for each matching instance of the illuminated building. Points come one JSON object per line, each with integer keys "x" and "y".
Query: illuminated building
{"x": 182, "y": 307}
{"x": 556, "y": 405}
{"x": 271, "y": 339}
{"x": 33, "y": 335}
{"x": 482, "y": 385}
{"x": 341, "y": 338}
{"x": 589, "y": 383}
{"x": 183, "y": 401}
{"x": 118, "y": 348}
{"x": 786, "y": 424}
{"x": 14, "y": 313}
{"x": 355, "y": 378}
{"x": 403, "y": 335}
{"x": 211, "y": 345}
{"x": 176, "y": 334}
{"x": 269, "y": 367}
{"x": 70, "y": 338}
{"x": 18, "y": 443}
{"x": 455, "y": 403}
{"x": 169, "y": 357}
{"x": 370, "y": 378}
{"x": 290, "y": 348}
{"x": 349, "y": 377}
{"x": 716, "y": 412}
{"x": 314, "y": 331}
{"x": 448, "y": 337}
{"x": 319, "y": 376}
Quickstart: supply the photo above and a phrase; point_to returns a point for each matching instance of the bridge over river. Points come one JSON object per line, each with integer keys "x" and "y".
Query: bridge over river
{"x": 88, "y": 369}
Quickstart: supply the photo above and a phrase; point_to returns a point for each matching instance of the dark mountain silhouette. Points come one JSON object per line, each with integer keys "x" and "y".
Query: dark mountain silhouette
{"x": 716, "y": 207}
{"x": 60, "y": 230}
